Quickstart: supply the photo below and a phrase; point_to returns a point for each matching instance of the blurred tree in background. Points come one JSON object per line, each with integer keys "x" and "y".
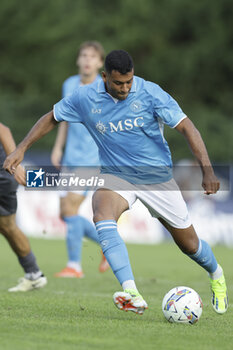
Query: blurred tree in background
{"x": 184, "y": 46}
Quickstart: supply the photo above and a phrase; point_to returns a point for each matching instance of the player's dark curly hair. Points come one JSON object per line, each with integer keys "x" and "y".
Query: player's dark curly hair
{"x": 118, "y": 60}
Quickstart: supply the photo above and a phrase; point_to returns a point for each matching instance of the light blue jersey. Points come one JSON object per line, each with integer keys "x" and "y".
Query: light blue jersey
{"x": 129, "y": 133}
{"x": 80, "y": 147}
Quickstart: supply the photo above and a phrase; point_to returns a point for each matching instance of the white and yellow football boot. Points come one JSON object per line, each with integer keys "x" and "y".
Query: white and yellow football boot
{"x": 130, "y": 300}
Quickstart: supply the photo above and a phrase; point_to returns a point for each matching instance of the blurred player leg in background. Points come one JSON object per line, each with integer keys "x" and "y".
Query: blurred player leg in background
{"x": 77, "y": 228}
{"x": 19, "y": 243}
{"x": 79, "y": 150}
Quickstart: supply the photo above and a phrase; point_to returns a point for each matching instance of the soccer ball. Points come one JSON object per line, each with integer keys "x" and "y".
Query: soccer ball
{"x": 182, "y": 305}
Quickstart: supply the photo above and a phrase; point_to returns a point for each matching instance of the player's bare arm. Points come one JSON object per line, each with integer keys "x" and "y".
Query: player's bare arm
{"x": 9, "y": 146}
{"x": 6, "y": 139}
{"x": 44, "y": 125}
{"x": 210, "y": 182}
{"x": 59, "y": 144}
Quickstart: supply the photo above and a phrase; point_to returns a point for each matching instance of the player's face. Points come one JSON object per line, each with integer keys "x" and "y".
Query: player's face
{"x": 89, "y": 61}
{"x": 118, "y": 85}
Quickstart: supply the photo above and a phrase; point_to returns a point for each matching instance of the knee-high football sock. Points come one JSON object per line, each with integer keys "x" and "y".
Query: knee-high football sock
{"x": 114, "y": 250}
{"x": 75, "y": 233}
{"x": 29, "y": 264}
{"x": 205, "y": 257}
{"x": 90, "y": 230}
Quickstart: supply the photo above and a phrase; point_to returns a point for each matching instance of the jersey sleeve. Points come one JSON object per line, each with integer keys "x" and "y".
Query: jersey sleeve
{"x": 165, "y": 107}
{"x": 63, "y": 89}
{"x": 69, "y": 109}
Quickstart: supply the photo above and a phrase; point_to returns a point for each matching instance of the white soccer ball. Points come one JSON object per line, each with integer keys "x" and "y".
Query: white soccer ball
{"x": 182, "y": 305}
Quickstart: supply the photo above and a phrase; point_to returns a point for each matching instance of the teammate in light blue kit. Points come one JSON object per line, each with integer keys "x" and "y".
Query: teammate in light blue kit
{"x": 135, "y": 157}
{"x": 80, "y": 150}
{"x": 78, "y": 137}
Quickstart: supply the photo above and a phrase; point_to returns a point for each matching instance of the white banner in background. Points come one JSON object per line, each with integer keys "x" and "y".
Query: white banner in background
{"x": 38, "y": 215}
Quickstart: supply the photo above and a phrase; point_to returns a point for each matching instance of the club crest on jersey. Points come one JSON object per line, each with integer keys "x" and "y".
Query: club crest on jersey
{"x": 101, "y": 127}
{"x": 136, "y": 106}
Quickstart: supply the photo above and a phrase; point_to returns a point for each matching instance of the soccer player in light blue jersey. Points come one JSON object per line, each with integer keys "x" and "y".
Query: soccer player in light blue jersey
{"x": 79, "y": 150}
{"x": 136, "y": 163}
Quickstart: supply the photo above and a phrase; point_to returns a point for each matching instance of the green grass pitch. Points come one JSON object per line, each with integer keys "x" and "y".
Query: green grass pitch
{"x": 79, "y": 314}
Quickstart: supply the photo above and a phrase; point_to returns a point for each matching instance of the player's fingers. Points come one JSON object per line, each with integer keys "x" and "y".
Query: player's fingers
{"x": 211, "y": 188}
{"x": 23, "y": 181}
{"x": 20, "y": 177}
{"x": 9, "y": 164}
{"x": 8, "y": 167}
{"x": 215, "y": 186}
{"x": 23, "y": 178}
{"x": 13, "y": 167}
{"x": 207, "y": 192}
{"x": 207, "y": 188}
{"x": 20, "y": 180}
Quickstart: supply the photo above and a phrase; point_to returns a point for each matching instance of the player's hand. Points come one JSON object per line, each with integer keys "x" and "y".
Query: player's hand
{"x": 13, "y": 160}
{"x": 210, "y": 183}
{"x": 20, "y": 175}
{"x": 56, "y": 157}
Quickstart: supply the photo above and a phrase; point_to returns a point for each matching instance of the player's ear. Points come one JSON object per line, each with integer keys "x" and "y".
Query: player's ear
{"x": 104, "y": 76}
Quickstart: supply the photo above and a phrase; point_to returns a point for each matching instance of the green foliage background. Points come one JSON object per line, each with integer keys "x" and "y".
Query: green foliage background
{"x": 184, "y": 46}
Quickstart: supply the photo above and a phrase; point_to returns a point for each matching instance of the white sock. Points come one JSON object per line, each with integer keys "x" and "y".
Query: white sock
{"x": 75, "y": 265}
{"x": 130, "y": 284}
{"x": 217, "y": 273}
{"x": 33, "y": 275}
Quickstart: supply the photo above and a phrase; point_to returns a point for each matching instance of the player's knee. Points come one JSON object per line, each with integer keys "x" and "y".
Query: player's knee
{"x": 69, "y": 206}
{"x": 98, "y": 213}
{"x": 98, "y": 216}
{"x": 104, "y": 206}
{"x": 66, "y": 209}
{"x": 189, "y": 247}
{"x": 63, "y": 212}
